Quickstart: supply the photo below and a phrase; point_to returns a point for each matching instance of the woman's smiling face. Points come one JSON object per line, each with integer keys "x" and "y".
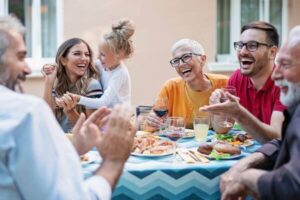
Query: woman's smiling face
{"x": 77, "y": 61}
{"x": 193, "y": 68}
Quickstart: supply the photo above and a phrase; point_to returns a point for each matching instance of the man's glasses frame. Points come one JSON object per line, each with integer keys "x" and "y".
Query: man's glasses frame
{"x": 185, "y": 58}
{"x": 250, "y": 45}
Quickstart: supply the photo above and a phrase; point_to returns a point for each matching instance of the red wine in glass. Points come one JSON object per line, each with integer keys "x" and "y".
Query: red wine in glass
{"x": 174, "y": 136}
{"x": 160, "y": 112}
{"x": 161, "y": 106}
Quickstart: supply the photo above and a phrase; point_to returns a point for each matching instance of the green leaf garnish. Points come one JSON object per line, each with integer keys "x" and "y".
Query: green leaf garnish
{"x": 216, "y": 155}
{"x": 225, "y": 137}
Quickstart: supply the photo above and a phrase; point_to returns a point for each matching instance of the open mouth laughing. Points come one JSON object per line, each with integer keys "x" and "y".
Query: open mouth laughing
{"x": 246, "y": 62}
{"x": 186, "y": 72}
{"x": 82, "y": 66}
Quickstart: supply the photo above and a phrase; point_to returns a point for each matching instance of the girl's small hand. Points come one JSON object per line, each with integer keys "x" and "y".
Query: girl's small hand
{"x": 75, "y": 97}
{"x": 66, "y": 102}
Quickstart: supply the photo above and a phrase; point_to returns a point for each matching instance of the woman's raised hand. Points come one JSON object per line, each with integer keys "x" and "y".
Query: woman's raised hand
{"x": 49, "y": 71}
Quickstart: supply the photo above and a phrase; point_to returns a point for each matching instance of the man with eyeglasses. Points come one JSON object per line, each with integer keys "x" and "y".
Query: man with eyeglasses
{"x": 273, "y": 172}
{"x": 185, "y": 94}
{"x": 258, "y": 109}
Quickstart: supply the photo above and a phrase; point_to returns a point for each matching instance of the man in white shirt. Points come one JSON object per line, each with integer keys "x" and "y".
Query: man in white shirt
{"x": 36, "y": 159}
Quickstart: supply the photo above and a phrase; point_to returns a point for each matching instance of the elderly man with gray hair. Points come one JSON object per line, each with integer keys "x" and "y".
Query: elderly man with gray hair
{"x": 185, "y": 94}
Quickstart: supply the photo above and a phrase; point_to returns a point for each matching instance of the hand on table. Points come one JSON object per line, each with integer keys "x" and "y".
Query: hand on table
{"x": 229, "y": 178}
{"x": 236, "y": 190}
{"x": 237, "y": 184}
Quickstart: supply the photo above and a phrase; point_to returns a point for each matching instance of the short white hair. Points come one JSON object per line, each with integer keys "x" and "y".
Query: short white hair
{"x": 195, "y": 46}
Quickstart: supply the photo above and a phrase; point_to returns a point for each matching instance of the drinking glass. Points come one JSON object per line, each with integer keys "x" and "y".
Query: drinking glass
{"x": 232, "y": 90}
{"x": 201, "y": 125}
{"x": 175, "y": 131}
{"x": 160, "y": 107}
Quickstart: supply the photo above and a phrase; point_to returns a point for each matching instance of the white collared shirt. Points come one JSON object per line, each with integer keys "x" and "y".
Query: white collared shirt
{"x": 36, "y": 159}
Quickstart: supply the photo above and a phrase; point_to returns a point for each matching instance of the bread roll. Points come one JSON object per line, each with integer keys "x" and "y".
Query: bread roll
{"x": 205, "y": 149}
{"x": 227, "y": 148}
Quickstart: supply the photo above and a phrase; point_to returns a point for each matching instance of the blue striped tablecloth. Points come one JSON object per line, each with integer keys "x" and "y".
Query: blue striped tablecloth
{"x": 159, "y": 178}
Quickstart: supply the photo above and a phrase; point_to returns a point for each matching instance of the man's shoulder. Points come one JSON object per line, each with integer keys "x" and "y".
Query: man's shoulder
{"x": 16, "y": 108}
{"x": 29, "y": 99}
{"x": 16, "y": 101}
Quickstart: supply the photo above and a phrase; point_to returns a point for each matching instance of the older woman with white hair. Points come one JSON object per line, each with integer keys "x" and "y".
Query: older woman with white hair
{"x": 185, "y": 94}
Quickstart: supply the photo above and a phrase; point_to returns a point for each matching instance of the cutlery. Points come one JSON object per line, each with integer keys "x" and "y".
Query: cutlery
{"x": 200, "y": 157}
{"x": 186, "y": 157}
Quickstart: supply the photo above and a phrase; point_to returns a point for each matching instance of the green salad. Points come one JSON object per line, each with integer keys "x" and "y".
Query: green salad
{"x": 218, "y": 156}
{"x": 225, "y": 137}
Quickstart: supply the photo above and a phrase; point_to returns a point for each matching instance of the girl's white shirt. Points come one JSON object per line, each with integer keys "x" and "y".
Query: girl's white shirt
{"x": 116, "y": 86}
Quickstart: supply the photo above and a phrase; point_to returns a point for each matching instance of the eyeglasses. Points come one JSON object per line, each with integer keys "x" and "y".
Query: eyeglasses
{"x": 185, "y": 58}
{"x": 250, "y": 46}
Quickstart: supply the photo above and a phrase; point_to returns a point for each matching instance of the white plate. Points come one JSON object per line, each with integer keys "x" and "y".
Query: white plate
{"x": 92, "y": 156}
{"x": 189, "y": 133}
{"x": 247, "y": 143}
{"x": 151, "y": 155}
{"x": 227, "y": 158}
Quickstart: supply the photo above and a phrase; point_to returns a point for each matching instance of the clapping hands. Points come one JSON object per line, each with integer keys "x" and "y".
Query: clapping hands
{"x": 109, "y": 130}
{"x": 84, "y": 139}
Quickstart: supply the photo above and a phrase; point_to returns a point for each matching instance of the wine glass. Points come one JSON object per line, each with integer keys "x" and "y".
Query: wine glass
{"x": 232, "y": 90}
{"x": 160, "y": 107}
{"x": 175, "y": 131}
